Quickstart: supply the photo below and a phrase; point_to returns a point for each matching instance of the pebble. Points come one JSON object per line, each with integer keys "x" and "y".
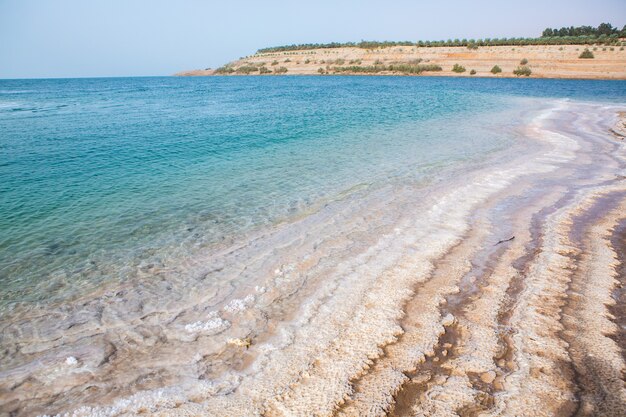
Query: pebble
{"x": 448, "y": 320}
{"x": 488, "y": 377}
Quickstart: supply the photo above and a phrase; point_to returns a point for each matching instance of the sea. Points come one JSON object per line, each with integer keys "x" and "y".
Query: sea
{"x": 100, "y": 177}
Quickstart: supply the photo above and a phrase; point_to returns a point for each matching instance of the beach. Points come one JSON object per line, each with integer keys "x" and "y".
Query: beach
{"x": 491, "y": 285}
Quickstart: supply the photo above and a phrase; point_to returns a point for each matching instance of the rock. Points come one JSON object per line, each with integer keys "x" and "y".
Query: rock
{"x": 488, "y": 377}
{"x": 240, "y": 342}
{"x": 448, "y": 320}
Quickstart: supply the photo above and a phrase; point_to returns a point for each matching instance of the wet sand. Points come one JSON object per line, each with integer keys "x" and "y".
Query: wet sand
{"x": 493, "y": 292}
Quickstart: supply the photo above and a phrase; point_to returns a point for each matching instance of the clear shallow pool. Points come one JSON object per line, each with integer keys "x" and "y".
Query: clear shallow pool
{"x": 100, "y": 177}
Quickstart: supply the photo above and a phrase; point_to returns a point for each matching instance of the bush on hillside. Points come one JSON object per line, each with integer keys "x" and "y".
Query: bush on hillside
{"x": 264, "y": 70}
{"x": 473, "y": 72}
{"x": 274, "y": 63}
{"x": 523, "y": 61}
{"x": 246, "y": 69}
{"x": 496, "y": 70}
{"x": 226, "y": 69}
{"x": 586, "y": 54}
{"x": 280, "y": 70}
{"x": 523, "y": 70}
{"x": 458, "y": 68}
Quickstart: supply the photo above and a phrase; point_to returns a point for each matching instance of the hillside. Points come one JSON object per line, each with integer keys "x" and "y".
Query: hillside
{"x": 544, "y": 61}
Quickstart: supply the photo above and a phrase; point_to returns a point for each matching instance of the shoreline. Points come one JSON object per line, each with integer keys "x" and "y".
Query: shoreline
{"x": 500, "y": 76}
{"x": 431, "y": 309}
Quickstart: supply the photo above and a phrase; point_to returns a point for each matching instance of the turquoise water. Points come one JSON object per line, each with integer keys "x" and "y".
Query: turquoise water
{"x": 99, "y": 177}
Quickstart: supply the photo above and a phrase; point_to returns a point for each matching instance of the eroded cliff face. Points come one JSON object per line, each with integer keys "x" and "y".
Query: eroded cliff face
{"x": 544, "y": 61}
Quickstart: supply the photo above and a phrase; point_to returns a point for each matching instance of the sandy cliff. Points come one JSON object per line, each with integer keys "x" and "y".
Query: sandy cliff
{"x": 545, "y": 61}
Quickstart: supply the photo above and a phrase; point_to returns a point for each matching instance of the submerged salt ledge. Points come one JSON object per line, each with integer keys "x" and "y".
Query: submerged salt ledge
{"x": 328, "y": 321}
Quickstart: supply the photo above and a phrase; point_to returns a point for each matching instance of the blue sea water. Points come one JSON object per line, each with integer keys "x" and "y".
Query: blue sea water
{"x": 101, "y": 176}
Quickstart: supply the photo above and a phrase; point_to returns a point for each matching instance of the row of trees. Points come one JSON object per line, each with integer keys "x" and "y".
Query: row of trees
{"x": 601, "y": 39}
{"x": 308, "y": 46}
{"x": 605, "y": 29}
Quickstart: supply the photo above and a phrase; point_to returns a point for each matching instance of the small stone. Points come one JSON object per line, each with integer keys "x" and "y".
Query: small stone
{"x": 71, "y": 361}
{"x": 444, "y": 353}
{"x": 488, "y": 377}
{"x": 448, "y": 320}
{"x": 240, "y": 342}
{"x": 447, "y": 345}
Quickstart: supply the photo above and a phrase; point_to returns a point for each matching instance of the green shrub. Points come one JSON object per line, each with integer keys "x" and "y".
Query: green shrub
{"x": 226, "y": 69}
{"x": 355, "y": 61}
{"x": 280, "y": 70}
{"x": 246, "y": 69}
{"x": 406, "y": 69}
{"x": 523, "y": 70}
{"x": 586, "y": 54}
{"x": 523, "y": 61}
{"x": 274, "y": 62}
{"x": 264, "y": 70}
{"x": 458, "y": 68}
{"x": 378, "y": 62}
{"x": 287, "y": 60}
{"x": 473, "y": 72}
{"x": 307, "y": 61}
{"x": 321, "y": 70}
{"x": 496, "y": 70}
{"x": 472, "y": 46}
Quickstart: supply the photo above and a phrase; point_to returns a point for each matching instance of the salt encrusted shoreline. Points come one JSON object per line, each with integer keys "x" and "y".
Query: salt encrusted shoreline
{"x": 489, "y": 295}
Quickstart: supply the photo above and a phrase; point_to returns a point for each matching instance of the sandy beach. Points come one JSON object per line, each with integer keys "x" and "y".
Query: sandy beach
{"x": 496, "y": 292}
{"x": 545, "y": 61}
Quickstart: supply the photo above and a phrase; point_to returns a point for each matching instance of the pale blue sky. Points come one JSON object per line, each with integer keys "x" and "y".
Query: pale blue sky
{"x": 80, "y": 38}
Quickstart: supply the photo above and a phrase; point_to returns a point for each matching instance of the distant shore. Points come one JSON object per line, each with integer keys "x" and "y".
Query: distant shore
{"x": 534, "y": 61}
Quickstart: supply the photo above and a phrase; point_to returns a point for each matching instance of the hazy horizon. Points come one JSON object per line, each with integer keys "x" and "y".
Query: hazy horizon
{"x": 71, "y": 38}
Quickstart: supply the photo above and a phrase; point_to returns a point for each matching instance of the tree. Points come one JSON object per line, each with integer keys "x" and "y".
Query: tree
{"x": 606, "y": 29}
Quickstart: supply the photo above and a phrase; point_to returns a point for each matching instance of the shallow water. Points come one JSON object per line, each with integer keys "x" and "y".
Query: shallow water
{"x": 175, "y": 209}
{"x": 100, "y": 177}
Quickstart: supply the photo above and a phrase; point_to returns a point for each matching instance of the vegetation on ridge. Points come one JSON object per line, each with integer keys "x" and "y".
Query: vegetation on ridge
{"x": 401, "y": 68}
{"x": 604, "y": 29}
{"x": 604, "y": 34}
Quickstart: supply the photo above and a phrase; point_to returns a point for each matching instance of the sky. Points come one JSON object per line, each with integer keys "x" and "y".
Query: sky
{"x": 109, "y": 38}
